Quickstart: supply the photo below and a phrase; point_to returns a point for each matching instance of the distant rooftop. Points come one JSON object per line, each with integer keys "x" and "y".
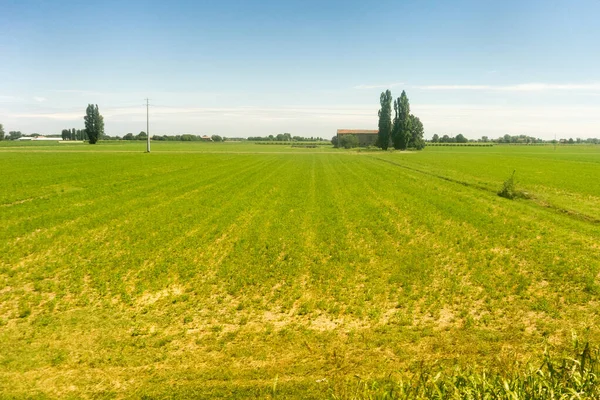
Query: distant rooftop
{"x": 357, "y": 131}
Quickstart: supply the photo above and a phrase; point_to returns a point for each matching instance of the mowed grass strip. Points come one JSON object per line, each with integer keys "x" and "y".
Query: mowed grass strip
{"x": 220, "y": 274}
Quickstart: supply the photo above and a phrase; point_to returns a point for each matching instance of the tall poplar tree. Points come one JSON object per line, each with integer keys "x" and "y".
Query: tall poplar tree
{"x": 396, "y": 123}
{"x": 94, "y": 123}
{"x": 385, "y": 120}
{"x": 402, "y": 122}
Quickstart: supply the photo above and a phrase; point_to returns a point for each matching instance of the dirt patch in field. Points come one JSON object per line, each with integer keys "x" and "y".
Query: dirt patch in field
{"x": 147, "y": 299}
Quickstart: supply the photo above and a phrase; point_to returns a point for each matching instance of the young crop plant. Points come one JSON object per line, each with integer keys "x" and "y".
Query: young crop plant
{"x": 556, "y": 378}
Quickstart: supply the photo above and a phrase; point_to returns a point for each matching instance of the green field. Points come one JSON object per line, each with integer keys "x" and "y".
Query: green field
{"x": 238, "y": 270}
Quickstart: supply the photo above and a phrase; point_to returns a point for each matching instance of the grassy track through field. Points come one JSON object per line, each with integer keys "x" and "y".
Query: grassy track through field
{"x": 238, "y": 270}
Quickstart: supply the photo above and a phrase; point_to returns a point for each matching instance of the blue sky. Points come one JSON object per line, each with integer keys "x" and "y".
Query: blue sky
{"x": 240, "y": 68}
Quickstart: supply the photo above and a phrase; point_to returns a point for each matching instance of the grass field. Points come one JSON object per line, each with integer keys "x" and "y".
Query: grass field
{"x": 237, "y": 270}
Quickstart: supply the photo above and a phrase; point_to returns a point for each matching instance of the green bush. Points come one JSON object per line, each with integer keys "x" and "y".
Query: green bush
{"x": 348, "y": 141}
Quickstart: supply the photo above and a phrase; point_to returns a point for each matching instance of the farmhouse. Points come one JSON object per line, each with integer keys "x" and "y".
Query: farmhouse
{"x": 365, "y": 137}
{"x": 206, "y": 138}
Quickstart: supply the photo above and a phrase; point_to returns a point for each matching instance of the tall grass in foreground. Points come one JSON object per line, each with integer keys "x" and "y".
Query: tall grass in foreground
{"x": 566, "y": 378}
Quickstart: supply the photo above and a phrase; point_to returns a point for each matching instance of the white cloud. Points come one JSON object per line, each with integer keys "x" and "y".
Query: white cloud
{"x": 388, "y": 86}
{"x": 39, "y": 99}
{"x": 522, "y": 87}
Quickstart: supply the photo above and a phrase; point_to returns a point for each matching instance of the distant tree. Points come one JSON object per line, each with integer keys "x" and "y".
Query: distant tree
{"x": 416, "y": 133}
{"x": 461, "y": 139}
{"x": 143, "y": 136}
{"x": 435, "y": 138}
{"x": 129, "y": 136}
{"x": 1, "y": 132}
{"x": 485, "y": 139}
{"x": 216, "y": 138}
{"x": 385, "y": 120}
{"x": 571, "y": 141}
{"x": 65, "y": 134}
{"x": 334, "y": 141}
{"x": 94, "y": 123}
{"x": 348, "y": 141}
{"x": 445, "y": 139}
{"x": 14, "y": 135}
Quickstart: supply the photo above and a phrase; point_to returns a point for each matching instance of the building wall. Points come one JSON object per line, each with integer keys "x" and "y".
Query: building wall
{"x": 367, "y": 139}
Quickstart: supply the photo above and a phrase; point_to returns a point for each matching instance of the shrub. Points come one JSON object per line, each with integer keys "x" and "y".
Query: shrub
{"x": 348, "y": 141}
{"x": 334, "y": 142}
{"x": 509, "y": 190}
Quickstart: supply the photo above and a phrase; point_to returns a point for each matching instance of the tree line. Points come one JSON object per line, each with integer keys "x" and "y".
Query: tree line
{"x": 284, "y": 137}
{"x": 186, "y": 137}
{"x": 460, "y": 138}
{"x": 512, "y": 139}
{"x": 405, "y": 130}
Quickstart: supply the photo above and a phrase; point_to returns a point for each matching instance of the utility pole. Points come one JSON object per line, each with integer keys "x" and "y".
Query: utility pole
{"x": 147, "y": 126}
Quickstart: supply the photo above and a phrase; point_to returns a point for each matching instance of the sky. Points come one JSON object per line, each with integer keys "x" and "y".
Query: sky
{"x": 309, "y": 67}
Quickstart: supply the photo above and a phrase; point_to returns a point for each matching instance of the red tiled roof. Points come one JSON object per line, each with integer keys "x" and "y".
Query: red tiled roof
{"x": 357, "y": 131}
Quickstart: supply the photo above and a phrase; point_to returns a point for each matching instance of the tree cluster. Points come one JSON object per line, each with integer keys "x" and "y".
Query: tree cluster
{"x": 140, "y": 136}
{"x": 460, "y": 138}
{"x": 518, "y": 139}
{"x": 14, "y": 135}
{"x": 74, "y": 134}
{"x": 405, "y": 131}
